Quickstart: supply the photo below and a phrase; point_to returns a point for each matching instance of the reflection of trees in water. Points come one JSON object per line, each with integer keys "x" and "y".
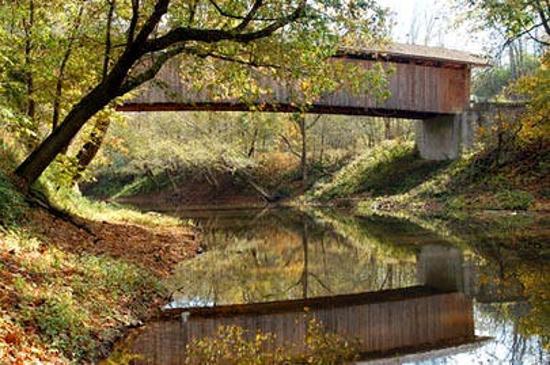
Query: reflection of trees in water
{"x": 509, "y": 345}
{"x": 511, "y": 280}
{"x": 512, "y": 268}
{"x": 282, "y": 257}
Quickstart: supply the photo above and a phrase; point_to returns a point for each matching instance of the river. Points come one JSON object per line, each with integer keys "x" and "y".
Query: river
{"x": 258, "y": 256}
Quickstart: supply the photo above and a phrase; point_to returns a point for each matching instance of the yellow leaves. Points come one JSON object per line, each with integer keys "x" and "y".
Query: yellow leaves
{"x": 535, "y": 122}
{"x": 233, "y": 345}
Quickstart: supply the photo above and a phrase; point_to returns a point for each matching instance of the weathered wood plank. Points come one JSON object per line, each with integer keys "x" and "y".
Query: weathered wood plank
{"x": 416, "y": 89}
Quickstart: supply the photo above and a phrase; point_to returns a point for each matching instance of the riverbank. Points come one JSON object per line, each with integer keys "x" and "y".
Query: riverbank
{"x": 72, "y": 283}
{"x": 393, "y": 178}
{"x": 389, "y": 177}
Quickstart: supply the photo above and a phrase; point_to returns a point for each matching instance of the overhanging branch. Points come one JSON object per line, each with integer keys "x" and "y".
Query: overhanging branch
{"x": 184, "y": 34}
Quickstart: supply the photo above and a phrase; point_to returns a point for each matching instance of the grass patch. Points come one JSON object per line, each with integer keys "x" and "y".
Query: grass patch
{"x": 73, "y": 202}
{"x": 391, "y": 168}
{"x": 400, "y": 180}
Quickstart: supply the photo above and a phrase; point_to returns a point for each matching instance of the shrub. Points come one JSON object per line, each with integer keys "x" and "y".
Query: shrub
{"x": 234, "y": 345}
{"x": 514, "y": 199}
{"x": 12, "y": 203}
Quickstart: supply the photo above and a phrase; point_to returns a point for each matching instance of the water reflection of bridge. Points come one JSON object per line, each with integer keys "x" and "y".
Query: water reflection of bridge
{"x": 431, "y": 316}
{"x": 385, "y": 322}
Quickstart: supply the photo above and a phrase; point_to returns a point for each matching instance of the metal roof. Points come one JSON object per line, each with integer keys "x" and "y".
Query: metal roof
{"x": 416, "y": 52}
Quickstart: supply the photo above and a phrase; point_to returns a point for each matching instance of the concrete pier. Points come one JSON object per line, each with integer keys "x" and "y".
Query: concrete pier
{"x": 439, "y": 138}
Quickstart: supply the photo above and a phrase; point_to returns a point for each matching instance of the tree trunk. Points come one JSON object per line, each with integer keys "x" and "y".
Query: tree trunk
{"x": 322, "y": 148}
{"x": 252, "y": 148}
{"x": 31, "y": 104}
{"x": 387, "y": 129}
{"x": 89, "y": 150}
{"x": 301, "y": 121}
{"x": 45, "y": 153}
{"x": 62, "y": 66}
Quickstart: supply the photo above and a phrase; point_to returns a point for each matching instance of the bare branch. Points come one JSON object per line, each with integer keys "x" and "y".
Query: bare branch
{"x": 312, "y": 124}
{"x": 289, "y": 145}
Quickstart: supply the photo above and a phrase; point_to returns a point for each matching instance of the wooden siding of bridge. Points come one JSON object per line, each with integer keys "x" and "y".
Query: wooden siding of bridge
{"x": 418, "y": 90}
{"x": 382, "y": 327}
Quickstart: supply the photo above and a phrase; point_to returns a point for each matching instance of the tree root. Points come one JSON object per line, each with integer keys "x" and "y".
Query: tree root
{"x": 35, "y": 200}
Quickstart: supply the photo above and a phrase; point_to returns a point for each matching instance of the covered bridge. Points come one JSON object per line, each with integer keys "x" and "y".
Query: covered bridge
{"x": 427, "y": 83}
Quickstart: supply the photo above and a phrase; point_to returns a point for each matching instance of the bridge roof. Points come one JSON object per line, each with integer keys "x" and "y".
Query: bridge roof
{"x": 407, "y": 52}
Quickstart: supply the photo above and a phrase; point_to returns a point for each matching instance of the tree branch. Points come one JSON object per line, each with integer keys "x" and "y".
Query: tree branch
{"x": 151, "y": 72}
{"x": 183, "y": 34}
{"x": 133, "y": 21}
{"x": 525, "y": 32}
{"x": 289, "y": 145}
{"x": 248, "y": 18}
{"x": 542, "y": 13}
{"x": 239, "y": 17}
{"x": 314, "y": 122}
{"x": 161, "y": 8}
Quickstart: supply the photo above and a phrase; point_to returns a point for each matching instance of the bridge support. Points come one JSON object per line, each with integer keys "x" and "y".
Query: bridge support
{"x": 443, "y": 137}
{"x": 439, "y": 138}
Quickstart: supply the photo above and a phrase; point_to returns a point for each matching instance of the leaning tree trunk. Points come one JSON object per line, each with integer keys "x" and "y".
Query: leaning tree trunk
{"x": 58, "y": 140}
{"x": 89, "y": 150}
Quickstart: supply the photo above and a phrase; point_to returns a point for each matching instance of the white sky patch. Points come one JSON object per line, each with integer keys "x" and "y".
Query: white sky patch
{"x": 433, "y": 23}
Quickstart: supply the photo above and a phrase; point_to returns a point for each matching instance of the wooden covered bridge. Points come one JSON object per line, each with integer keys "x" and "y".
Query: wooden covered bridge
{"x": 431, "y": 84}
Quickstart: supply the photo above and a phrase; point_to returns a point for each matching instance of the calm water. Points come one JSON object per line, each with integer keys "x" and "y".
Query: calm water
{"x": 257, "y": 256}
{"x": 254, "y": 256}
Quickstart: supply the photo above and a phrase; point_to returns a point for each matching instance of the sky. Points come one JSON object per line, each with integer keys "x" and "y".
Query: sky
{"x": 438, "y": 16}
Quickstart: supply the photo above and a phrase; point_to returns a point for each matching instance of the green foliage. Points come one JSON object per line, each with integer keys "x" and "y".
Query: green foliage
{"x": 515, "y": 17}
{"x": 492, "y": 83}
{"x": 389, "y": 168}
{"x": 534, "y": 124}
{"x": 12, "y": 203}
{"x": 60, "y": 321}
{"x": 514, "y": 199}
{"x": 16, "y": 123}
